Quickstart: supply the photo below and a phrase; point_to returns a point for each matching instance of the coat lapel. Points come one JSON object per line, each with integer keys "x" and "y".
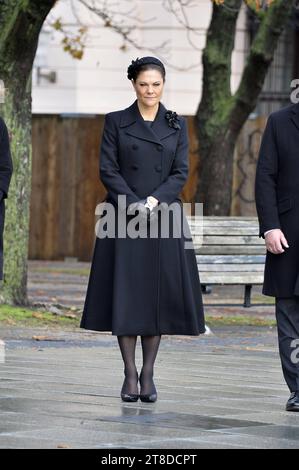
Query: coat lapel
{"x": 295, "y": 115}
{"x": 134, "y": 123}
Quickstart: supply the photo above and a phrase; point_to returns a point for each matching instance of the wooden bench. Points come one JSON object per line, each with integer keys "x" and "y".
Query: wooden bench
{"x": 230, "y": 252}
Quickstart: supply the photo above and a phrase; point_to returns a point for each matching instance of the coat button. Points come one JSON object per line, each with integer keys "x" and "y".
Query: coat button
{"x": 134, "y": 146}
{"x": 159, "y": 147}
{"x": 158, "y": 168}
{"x": 135, "y": 167}
{"x": 134, "y": 188}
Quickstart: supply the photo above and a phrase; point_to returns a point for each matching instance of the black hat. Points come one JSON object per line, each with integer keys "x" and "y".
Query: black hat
{"x": 135, "y": 64}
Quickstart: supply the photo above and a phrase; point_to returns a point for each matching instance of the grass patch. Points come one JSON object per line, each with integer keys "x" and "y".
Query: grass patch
{"x": 262, "y": 299}
{"x": 238, "y": 320}
{"x": 34, "y": 317}
{"x": 24, "y": 316}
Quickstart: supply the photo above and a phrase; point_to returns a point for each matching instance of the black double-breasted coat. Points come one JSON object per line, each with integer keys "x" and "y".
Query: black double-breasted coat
{"x": 144, "y": 286}
{"x": 277, "y": 198}
{"x": 6, "y": 169}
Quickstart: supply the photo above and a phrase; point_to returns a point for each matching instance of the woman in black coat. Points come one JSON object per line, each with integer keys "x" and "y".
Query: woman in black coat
{"x": 145, "y": 285}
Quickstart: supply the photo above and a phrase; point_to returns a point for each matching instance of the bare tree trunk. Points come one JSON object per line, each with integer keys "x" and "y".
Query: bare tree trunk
{"x": 221, "y": 115}
{"x": 20, "y": 25}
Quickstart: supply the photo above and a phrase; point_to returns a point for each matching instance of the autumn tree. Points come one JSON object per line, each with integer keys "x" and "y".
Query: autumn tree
{"x": 221, "y": 114}
{"x": 20, "y": 25}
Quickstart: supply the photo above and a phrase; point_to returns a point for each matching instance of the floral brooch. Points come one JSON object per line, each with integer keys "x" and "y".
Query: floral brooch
{"x": 173, "y": 119}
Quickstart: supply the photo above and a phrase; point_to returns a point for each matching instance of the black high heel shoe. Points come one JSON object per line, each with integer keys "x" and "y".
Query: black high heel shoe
{"x": 129, "y": 397}
{"x": 149, "y": 397}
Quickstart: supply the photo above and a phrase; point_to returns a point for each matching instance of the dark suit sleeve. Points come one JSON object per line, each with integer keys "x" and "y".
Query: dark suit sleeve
{"x": 266, "y": 181}
{"x": 109, "y": 166}
{"x": 6, "y": 166}
{"x": 172, "y": 186}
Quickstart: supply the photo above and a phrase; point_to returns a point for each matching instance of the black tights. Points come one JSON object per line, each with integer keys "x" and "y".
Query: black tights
{"x": 150, "y": 346}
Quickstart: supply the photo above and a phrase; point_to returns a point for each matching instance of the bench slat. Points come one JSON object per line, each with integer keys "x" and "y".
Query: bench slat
{"x": 226, "y": 278}
{"x": 224, "y": 223}
{"x": 222, "y": 219}
{"x": 231, "y": 268}
{"x": 229, "y": 250}
{"x": 226, "y": 217}
{"x": 230, "y": 240}
{"x": 226, "y": 259}
{"x": 241, "y": 231}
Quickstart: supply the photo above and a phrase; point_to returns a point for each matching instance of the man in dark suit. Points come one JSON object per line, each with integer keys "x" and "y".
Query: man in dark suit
{"x": 6, "y": 169}
{"x": 277, "y": 203}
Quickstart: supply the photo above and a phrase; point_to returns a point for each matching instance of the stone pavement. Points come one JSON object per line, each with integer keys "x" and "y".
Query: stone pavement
{"x": 219, "y": 391}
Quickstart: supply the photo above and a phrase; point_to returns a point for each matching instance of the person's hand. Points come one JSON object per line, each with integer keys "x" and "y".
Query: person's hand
{"x": 140, "y": 207}
{"x": 275, "y": 240}
{"x": 152, "y": 215}
{"x": 152, "y": 203}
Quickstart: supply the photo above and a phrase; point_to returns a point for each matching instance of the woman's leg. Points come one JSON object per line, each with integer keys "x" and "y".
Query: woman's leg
{"x": 150, "y": 346}
{"x": 127, "y": 345}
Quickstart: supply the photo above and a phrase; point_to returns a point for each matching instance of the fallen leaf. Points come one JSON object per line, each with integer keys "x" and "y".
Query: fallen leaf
{"x": 70, "y": 315}
{"x": 37, "y": 315}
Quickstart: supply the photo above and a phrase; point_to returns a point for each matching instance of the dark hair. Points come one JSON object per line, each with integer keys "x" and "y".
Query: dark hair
{"x": 145, "y": 63}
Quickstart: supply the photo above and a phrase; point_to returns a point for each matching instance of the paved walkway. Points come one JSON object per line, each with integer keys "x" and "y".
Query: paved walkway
{"x": 221, "y": 391}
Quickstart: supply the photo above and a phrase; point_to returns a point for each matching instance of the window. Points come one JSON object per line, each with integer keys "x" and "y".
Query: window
{"x": 283, "y": 69}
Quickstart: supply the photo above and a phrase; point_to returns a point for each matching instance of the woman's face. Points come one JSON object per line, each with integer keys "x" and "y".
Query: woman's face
{"x": 149, "y": 87}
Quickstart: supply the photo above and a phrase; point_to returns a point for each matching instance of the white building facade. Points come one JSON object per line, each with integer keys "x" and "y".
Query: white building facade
{"x": 98, "y": 82}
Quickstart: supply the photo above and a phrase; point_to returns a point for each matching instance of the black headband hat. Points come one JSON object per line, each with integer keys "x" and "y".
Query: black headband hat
{"x": 135, "y": 64}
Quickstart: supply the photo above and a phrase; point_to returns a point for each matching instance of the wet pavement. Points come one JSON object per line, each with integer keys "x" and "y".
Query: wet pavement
{"x": 220, "y": 391}
{"x": 61, "y": 388}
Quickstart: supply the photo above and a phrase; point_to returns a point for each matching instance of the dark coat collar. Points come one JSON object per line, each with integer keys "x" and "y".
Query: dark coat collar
{"x": 134, "y": 123}
{"x": 295, "y": 114}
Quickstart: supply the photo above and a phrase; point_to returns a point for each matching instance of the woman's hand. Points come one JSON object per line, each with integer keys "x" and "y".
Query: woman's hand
{"x": 151, "y": 203}
{"x": 139, "y": 206}
{"x": 145, "y": 207}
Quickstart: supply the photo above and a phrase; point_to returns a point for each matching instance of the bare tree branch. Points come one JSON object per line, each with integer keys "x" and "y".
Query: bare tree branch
{"x": 260, "y": 57}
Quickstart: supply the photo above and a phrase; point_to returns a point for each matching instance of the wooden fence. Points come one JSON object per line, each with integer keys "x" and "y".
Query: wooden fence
{"x": 66, "y": 187}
